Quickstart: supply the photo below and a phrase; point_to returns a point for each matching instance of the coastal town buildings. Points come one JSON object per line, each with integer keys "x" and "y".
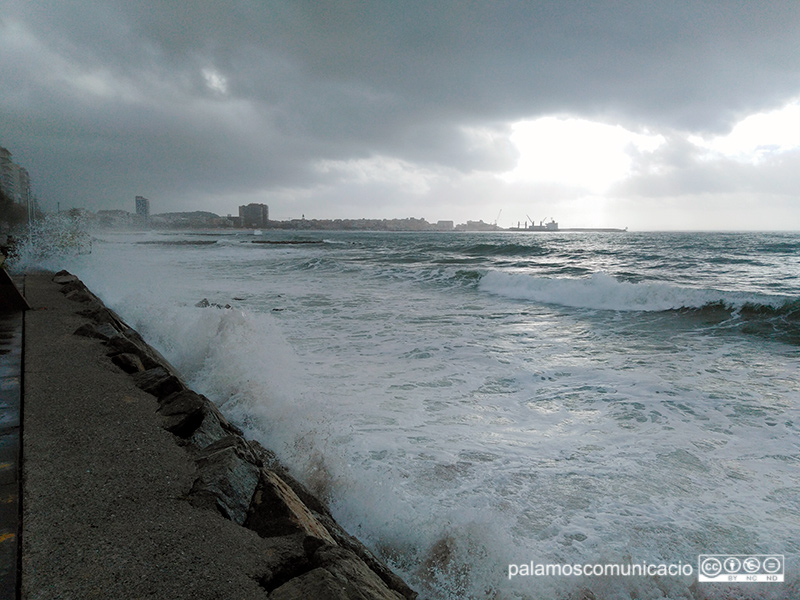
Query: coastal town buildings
{"x": 444, "y": 226}
{"x": 477, "y": 226}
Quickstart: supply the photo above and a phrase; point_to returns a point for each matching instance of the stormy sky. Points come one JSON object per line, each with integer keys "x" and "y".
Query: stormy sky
{"x": 651, "y": 115}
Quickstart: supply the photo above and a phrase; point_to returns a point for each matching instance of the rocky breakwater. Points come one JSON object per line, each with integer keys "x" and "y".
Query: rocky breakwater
{"x": 309, "y": 555}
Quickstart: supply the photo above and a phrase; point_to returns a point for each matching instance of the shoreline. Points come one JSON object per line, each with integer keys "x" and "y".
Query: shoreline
{"x": 134, "y": 484}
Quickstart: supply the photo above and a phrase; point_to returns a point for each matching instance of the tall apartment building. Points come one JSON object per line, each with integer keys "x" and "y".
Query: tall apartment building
{"x": 254, "y": 215}
{"x": 143, "y": 209}
{"x": 142, "y": 206}
{"x": 6, "y": 172}
{"x": 14, "y": 179}
{"x": 23, "y": 186}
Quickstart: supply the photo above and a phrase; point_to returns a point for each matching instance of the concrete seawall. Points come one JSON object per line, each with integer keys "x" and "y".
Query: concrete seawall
{"x": 135, "y": 486}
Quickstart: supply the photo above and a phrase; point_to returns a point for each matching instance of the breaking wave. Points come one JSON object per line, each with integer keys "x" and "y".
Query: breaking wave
{"x": 768, "y": 316}
{"x": 603, "y": 292}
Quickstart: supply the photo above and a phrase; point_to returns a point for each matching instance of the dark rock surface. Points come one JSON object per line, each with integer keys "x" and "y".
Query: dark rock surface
{"x": 195, "y": 419}
{"x": 227, "y": 478}
{"x": 130, "y": 342}
{"x": 65, "y": 278}
{"x": 337, "y": 574}
{"x": 275, "y": 510}
{"x": 100, "y": 314}
{"x": 102, "y": 331}
{"x": 130, "y": 363}
{"x": 158, "y": 382}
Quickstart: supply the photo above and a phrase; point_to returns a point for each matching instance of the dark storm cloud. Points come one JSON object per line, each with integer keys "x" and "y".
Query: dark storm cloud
{"x": 690, "y": 65}
{"x": 109, "y": 99}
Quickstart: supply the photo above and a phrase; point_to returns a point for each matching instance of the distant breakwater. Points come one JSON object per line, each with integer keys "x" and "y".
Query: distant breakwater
{"x": 239, "y": 478}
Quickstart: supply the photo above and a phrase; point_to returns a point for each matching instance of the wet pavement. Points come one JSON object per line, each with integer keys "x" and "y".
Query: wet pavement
{"x": 10, "y": 396}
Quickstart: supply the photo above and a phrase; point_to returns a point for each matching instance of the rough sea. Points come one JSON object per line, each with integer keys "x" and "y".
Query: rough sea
{"x": 470, "y": 401}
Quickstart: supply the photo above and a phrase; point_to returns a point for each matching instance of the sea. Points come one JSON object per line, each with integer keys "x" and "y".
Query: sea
{"x": 496, "y": 414}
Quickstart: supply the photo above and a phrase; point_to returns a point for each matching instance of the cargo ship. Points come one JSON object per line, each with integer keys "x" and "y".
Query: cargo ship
{"x": 542, "y": 226}
{"x": 552, "y": 225}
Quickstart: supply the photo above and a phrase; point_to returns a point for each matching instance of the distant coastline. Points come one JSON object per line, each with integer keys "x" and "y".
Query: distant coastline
{"x": 124, "y": 220}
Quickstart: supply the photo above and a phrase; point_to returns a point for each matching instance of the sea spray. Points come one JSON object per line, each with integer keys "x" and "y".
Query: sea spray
{"x": 50, "y": 241}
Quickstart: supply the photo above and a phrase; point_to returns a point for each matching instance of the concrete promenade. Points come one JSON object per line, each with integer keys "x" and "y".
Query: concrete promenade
{"x": 105, "y": 514}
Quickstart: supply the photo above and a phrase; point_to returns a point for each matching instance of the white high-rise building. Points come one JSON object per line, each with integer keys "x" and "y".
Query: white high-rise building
{"x": 7, "y": 177}
{"x": 14, "y": 179}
